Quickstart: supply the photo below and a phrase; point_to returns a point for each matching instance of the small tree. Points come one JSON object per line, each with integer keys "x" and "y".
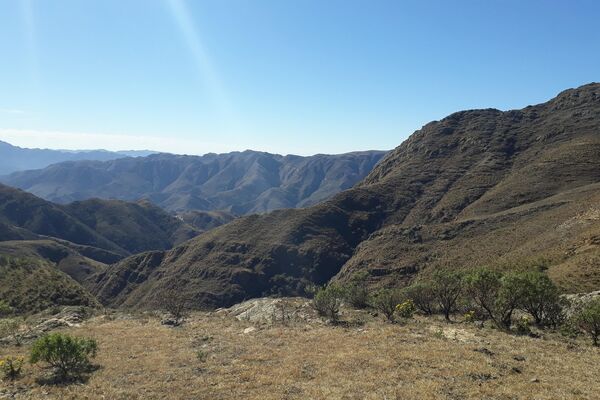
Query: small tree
{"x": 386, "y": 300}
{"x": 497, "y": 295}
{"x": 510, "y": 296}
{"x": 539, "y": 297}
{"x": 446, "y": 287}
{"x": 588, "y": 320}
{"x": 482, "y": 286}
{"x": 68, "y": 355}
{"x": 327, "y": 301}
{"x": 422, "y": 297}
{"x": 177, "y": 304}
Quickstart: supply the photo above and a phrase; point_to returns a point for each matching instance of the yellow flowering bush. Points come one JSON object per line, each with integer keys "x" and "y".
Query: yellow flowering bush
{"x": 406, "y": 309}
{"x": 470, "y": 316}
{"x": 11, "y": 367}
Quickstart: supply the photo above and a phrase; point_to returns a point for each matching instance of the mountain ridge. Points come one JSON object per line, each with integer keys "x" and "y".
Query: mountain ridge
{"x": 453, "y": 193}
{"x": 15, "y": 158}
{"x": 238, "y": 182}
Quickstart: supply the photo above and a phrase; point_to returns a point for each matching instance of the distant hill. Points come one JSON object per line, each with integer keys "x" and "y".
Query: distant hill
{"x": 29, "y": 285}
{"x": 13, "y": 158}
{"x": 111, "y": 226}
{"x": 239, "y": 182}
{"x": 206, "y": 220}
{"x": 479, "y": 187}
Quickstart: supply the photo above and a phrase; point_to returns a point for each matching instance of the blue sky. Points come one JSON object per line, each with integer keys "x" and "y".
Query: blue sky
{"x": 285, "y": 76}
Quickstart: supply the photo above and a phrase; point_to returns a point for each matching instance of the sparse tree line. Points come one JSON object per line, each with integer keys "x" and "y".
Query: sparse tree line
{"x": 511, "y": 301}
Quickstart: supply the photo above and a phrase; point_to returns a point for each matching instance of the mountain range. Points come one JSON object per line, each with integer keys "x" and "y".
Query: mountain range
{"x": 14, "y": 158}
{"x": 479, "y": 187}
{"x": 239, "y": 182}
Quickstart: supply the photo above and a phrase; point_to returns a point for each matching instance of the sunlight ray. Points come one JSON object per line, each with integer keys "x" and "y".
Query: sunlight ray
{"x": 203, "y": 61}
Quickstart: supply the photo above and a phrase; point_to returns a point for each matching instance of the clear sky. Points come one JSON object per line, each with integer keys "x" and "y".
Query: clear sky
{"x": 285, "y": 76}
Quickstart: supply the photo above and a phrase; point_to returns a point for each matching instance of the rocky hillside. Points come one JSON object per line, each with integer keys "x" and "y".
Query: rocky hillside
{"x": 240, "y": 183}
{"x": 477, "y": 187}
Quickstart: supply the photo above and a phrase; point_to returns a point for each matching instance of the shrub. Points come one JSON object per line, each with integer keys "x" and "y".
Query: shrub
{"x": 497, "y": 295}
{"x": 421, "y": 294}
{"x": 539, "y": 297}
{"x": 5, "y": 309}
{"x": 177, "y": 305}
{"x": 9, "y": 327}
{"x": 482, "y": 287}
{"x": 356, "y": 290}
{"x": 386, "y": 300}
{"x": 470, "y": 316}
{"x": 68, "y": 355}
{"x": 522, "y": 326}
{"x": 406, "y": 309}
{"x": 11, "y": 367}
{"x": 509, "y": 299}
{"x": 327, "y": 301}
{"x": 588, "y": 320}
{"x": 446, "y": 288}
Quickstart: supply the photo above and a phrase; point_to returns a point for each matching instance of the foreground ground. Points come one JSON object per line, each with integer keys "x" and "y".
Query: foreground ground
{"x": 216, "y": 356}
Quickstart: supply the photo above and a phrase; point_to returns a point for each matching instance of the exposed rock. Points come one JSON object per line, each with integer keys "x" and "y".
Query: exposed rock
{"x": 273, "y": 310}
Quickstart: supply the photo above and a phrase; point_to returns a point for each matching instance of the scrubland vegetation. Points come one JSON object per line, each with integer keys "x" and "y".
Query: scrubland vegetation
{"x": 470, "y": 334}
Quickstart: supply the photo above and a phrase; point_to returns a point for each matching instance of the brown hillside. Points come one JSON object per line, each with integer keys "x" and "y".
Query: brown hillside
{"x": 478, "y": 187}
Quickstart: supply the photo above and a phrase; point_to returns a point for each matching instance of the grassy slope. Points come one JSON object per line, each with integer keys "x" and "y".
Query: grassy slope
{"x": 30, "y": 285}
{"x": 424, "y": 359}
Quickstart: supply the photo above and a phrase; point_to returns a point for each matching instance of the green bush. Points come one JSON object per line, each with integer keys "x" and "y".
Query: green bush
{"x": 327, "y": 301}
{"x": 446, "y": 288}
{"x": 68, "y": 355}
{"x": 5, "y": 309}
{"x": 588, "y": 320}
{"x": 357, "y": 293}
{"x": 539, "y": 297}
{"x": 497, "y": 295}
{"x": 421, "y": 294}
{"x": 386, "y": 300}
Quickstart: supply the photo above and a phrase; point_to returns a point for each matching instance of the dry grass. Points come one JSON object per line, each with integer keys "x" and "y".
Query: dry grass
{"x": 423, "y": 359}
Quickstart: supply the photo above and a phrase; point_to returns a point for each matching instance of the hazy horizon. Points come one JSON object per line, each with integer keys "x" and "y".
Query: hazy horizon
{"x": 289, "y": 78}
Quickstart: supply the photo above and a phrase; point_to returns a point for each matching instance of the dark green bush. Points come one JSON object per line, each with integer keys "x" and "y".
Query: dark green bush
{"x": 68, "y": 355}
{"x": 327, "y": 301}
